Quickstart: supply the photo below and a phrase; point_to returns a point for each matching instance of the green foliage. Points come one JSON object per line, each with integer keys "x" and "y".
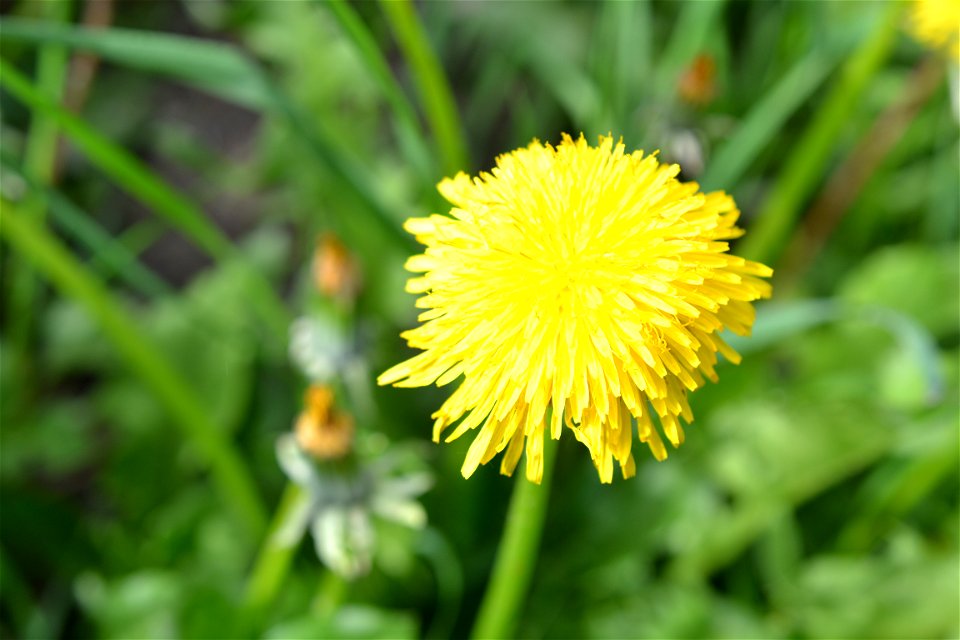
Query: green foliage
{"x": 152, "y": 265}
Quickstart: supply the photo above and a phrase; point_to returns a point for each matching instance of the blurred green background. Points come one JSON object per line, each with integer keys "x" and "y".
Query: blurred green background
{"x": 167, "y": 168}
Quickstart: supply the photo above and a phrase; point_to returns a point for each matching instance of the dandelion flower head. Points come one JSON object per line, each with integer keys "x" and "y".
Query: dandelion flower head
{"x": 574, "y": 286}
{"x": 936, "y": 23}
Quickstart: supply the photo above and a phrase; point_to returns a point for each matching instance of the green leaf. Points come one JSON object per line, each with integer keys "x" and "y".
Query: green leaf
{"x": 807, "y": 162}
{"x": 218, "y": 68}
{"x": 764, "y": 121}
{"x": 919, "y": 281}
{"x": 863, "y": 597}
{"x": 431, "y": 82}
{"x": 350, "y": 622}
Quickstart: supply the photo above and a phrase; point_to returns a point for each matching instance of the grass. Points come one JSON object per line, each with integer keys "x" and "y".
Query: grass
{"x": 153, "y": 267}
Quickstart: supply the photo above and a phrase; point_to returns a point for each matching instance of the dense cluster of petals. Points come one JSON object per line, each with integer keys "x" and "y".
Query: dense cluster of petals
{"x": 574, "y": 286}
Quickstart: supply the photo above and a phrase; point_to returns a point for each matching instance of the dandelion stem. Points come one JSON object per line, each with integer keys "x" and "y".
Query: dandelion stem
{"x": 517, "y": 555}
{"x": 273, "y": 560}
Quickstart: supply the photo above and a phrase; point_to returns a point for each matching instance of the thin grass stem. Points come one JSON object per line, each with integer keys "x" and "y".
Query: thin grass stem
{"x": 39, "y": 158}
{"x": 273, "y": 560}
{"x": 435, "y": 93}
{"x": 404, "y": 114}
{"x": 808, "y": 162}
{"x": 130, "y": 174}
{"x": 54, "y": 262}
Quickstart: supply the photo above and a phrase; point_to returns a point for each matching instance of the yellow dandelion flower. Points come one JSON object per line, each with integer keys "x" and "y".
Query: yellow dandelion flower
{"x": 579, "y": 286}
{"x": 936, "y": 23}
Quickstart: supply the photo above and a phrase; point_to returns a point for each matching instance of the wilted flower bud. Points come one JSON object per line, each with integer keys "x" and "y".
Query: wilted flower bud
{"x": 698, "y": 84}
{"x": 320, "y": 431}
{"x": 335, "y": 272}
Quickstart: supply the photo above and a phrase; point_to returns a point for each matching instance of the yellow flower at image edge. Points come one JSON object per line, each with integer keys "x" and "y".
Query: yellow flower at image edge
{"x": 936, "y": 23}
{"x": 579, "y": 286}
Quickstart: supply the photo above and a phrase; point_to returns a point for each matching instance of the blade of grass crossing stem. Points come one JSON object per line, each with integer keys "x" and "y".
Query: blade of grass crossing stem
{"x": 146, "y": 360}
{"x": 139, "y": 237}
{"x": 806, "y": 164}
{"x": 39, "y": 157}
{"x": 130, "y": 175}
{"x": 122, "y": 167}
{"x": 370, "y": 52}
{"x": 111, "y": 254}
{"x": 431, "y": 82}
{"x": 40, "y": 153}
{"x": 108, "y": 251}
{"x": 764, "y": 121}
{"x": 223, "y": 71}
{"x": 686, "y": 40}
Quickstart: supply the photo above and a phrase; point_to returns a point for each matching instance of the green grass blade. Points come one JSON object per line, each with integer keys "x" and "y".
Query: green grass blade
{"x": 807, "y": 162}
{"x": 404, "y": 113}
{"x": 113, "y": 255}
{"x": 145, "y": 359}
{"x": 764, "y": 121}
{"x": 382, "y": 213}
{"x": 223, "y": 71}
{"x": 273, "y": 560}
{"x": 432, "y": 85}
{"x": 623, "y": 60}
{"x": 120, "y": 165}
{"x": 686, "y": 40}
{"x": 41, "y": 150}
{"x": 215, "y": 67}
{"x": 137, "y": 180}
{"x": 39, "y": 157}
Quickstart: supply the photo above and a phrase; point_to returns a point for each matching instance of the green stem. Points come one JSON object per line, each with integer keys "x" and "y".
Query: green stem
{"x": 330, "y": 595}
{"x": 810, "y": 158}
{"x": 273, "y": 560}
{"x": 432, "y": 85}
{"x": 39, "y": 159}
{"x": 53, "y": 261}
{"x": 404, "y": 115}
{"x": 517, "y": 554}
{"x": 40, "y": 154}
